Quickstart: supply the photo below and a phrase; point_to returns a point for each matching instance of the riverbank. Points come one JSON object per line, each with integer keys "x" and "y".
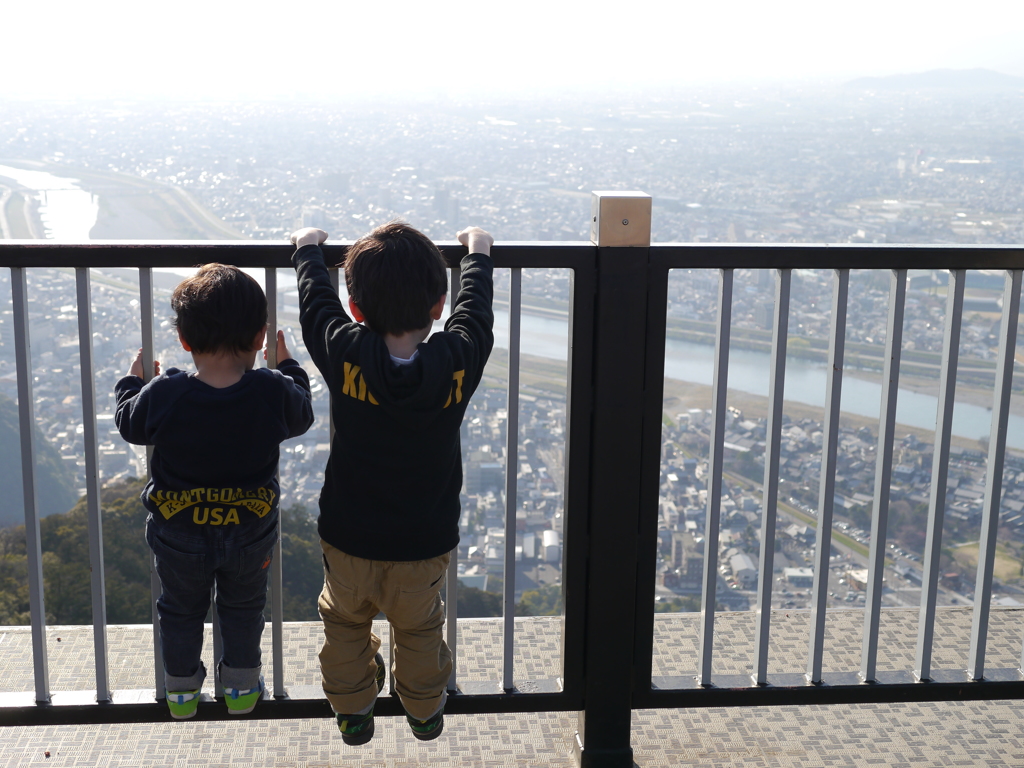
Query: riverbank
{"x": 964, "y": 393}
{"x": 19, "y": 215}
{"x": 137, "y": 209}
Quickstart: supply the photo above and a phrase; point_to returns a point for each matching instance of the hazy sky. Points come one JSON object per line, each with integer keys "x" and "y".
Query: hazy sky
{"x": 217, "y": 49}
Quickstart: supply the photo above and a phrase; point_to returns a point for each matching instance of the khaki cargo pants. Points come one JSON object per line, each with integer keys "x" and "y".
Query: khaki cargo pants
{"x": 409, "y": 594}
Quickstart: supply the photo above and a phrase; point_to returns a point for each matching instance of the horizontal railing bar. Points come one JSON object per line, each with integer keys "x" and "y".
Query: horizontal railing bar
{"x": 845, "y": 688}
{"x": 138, "y": 706}
{"x": 184, "y": 254}
{"x": 845, "y": 256}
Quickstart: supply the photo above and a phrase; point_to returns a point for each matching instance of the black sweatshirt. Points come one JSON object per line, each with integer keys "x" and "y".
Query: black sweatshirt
{"x": 392, "y": 483}
{"x": 215, "y": 450}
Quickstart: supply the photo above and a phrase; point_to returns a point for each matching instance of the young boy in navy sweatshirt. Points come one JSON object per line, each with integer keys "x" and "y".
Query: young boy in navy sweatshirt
{"x": 389, "y": 508}
{"x": 213, "y": 494}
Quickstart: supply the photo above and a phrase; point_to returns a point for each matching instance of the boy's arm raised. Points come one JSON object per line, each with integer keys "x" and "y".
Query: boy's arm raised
{"x": 132, "y": 413}
{"x": 472, "y": 315}
{"x": 321, "y": 314}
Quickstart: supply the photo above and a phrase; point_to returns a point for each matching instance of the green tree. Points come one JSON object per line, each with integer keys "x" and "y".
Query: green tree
{"x": 127, "y": 561}
{"x": 476, "y": 604}
{"x": 681, "y": 604}
{"x": 301, "y": 564}
{"x": 543, "y": 601}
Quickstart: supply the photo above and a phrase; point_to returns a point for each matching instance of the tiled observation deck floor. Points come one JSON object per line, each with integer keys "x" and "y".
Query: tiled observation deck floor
{"x": 912, "y": 735}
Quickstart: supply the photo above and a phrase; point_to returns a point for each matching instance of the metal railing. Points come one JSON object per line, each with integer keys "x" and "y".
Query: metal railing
{"x": 614, "y": 398}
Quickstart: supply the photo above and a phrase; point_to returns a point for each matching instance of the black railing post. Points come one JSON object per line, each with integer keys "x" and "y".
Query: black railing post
{"x": 620, "y": 325}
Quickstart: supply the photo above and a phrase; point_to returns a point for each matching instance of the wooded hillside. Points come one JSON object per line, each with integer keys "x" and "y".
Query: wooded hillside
{"x": 66, "y": 571}
{"x": 55, "y": 482}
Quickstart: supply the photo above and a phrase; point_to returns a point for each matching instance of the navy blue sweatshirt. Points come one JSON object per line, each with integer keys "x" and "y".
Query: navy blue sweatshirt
{"x": 392, "y": 483}
{"x": 215, "y": 450}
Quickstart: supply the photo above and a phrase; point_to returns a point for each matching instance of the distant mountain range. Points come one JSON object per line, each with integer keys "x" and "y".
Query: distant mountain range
{"x": 959, "y": 79}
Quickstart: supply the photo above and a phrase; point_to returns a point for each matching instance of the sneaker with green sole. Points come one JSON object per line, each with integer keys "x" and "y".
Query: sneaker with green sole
{"x": 426, "y": 730}
{"x": 183, "y": 704}
{"x": 243, "y": 701}
{"x": 358, "y": 729}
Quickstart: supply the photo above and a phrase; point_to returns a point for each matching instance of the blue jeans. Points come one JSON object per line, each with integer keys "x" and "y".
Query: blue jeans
{"x": 193, "y": 560}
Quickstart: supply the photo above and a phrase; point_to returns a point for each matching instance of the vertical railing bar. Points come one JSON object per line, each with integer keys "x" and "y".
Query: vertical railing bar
{"x": 270, "y": 280}
{"x": 769, "y": 502}
{"x": 511, "y": 473}
{"x": 92, "y": 484}
{"x": 277, "y": 564}
{"x": 452, "y": 577}
{"x": 451, "y": 615}
{"x": 148, "y": 355}
{"x": 218, "y": 644}
{"x": 940, "y": 471}
{"x": 27, "y": 425}
{"x": 651, "y": 451}
{"x": 335, "y": 275}
{"x": 714, "y": 502}
{"x": 994, "y": 475}
{"x": 826, "y": 497}
{"x": 883, "y": 472}
{"x": 579, "y": 398}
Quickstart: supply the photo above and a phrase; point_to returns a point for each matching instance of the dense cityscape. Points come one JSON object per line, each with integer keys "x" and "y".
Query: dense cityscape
{"x": 780, "y": 166}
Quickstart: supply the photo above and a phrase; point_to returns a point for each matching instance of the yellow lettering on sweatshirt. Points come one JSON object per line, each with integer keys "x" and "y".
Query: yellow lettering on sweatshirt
{"x": 354, "y": 385}
{"x": 457, "y": 378}
{"x": 349, "y": 387}
{"x": 259, "y": 501}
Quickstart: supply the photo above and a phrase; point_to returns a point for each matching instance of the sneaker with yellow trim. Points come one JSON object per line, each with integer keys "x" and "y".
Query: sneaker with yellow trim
{"x": 429, "y": 729}
{"x": 358, "y": 729}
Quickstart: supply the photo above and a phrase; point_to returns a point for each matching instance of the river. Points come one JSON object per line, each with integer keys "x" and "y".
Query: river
{"x": 69, "y": 213}
{"x": 806, "y": 381}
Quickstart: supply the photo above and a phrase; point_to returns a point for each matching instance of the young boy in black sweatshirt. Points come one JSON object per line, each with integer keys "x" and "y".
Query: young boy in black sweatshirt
{"x": 213, "y": 495}
{"x": 389, "y": 508}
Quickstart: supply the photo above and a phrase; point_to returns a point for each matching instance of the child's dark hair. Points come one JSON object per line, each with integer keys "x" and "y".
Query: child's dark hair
{"x": 219, "y": 309}
{"x": 395, "y": 275}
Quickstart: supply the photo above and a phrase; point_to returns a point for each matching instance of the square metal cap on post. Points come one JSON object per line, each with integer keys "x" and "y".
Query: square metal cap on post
{"x": 620, "y": 219}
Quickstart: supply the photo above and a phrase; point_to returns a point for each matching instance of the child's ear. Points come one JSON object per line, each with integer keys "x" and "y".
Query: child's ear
{"x": 257, "y": 344}
{"x": 354, "y": 309}
{"x": 437, "y": 309}
{"x": 184, "y": 344}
